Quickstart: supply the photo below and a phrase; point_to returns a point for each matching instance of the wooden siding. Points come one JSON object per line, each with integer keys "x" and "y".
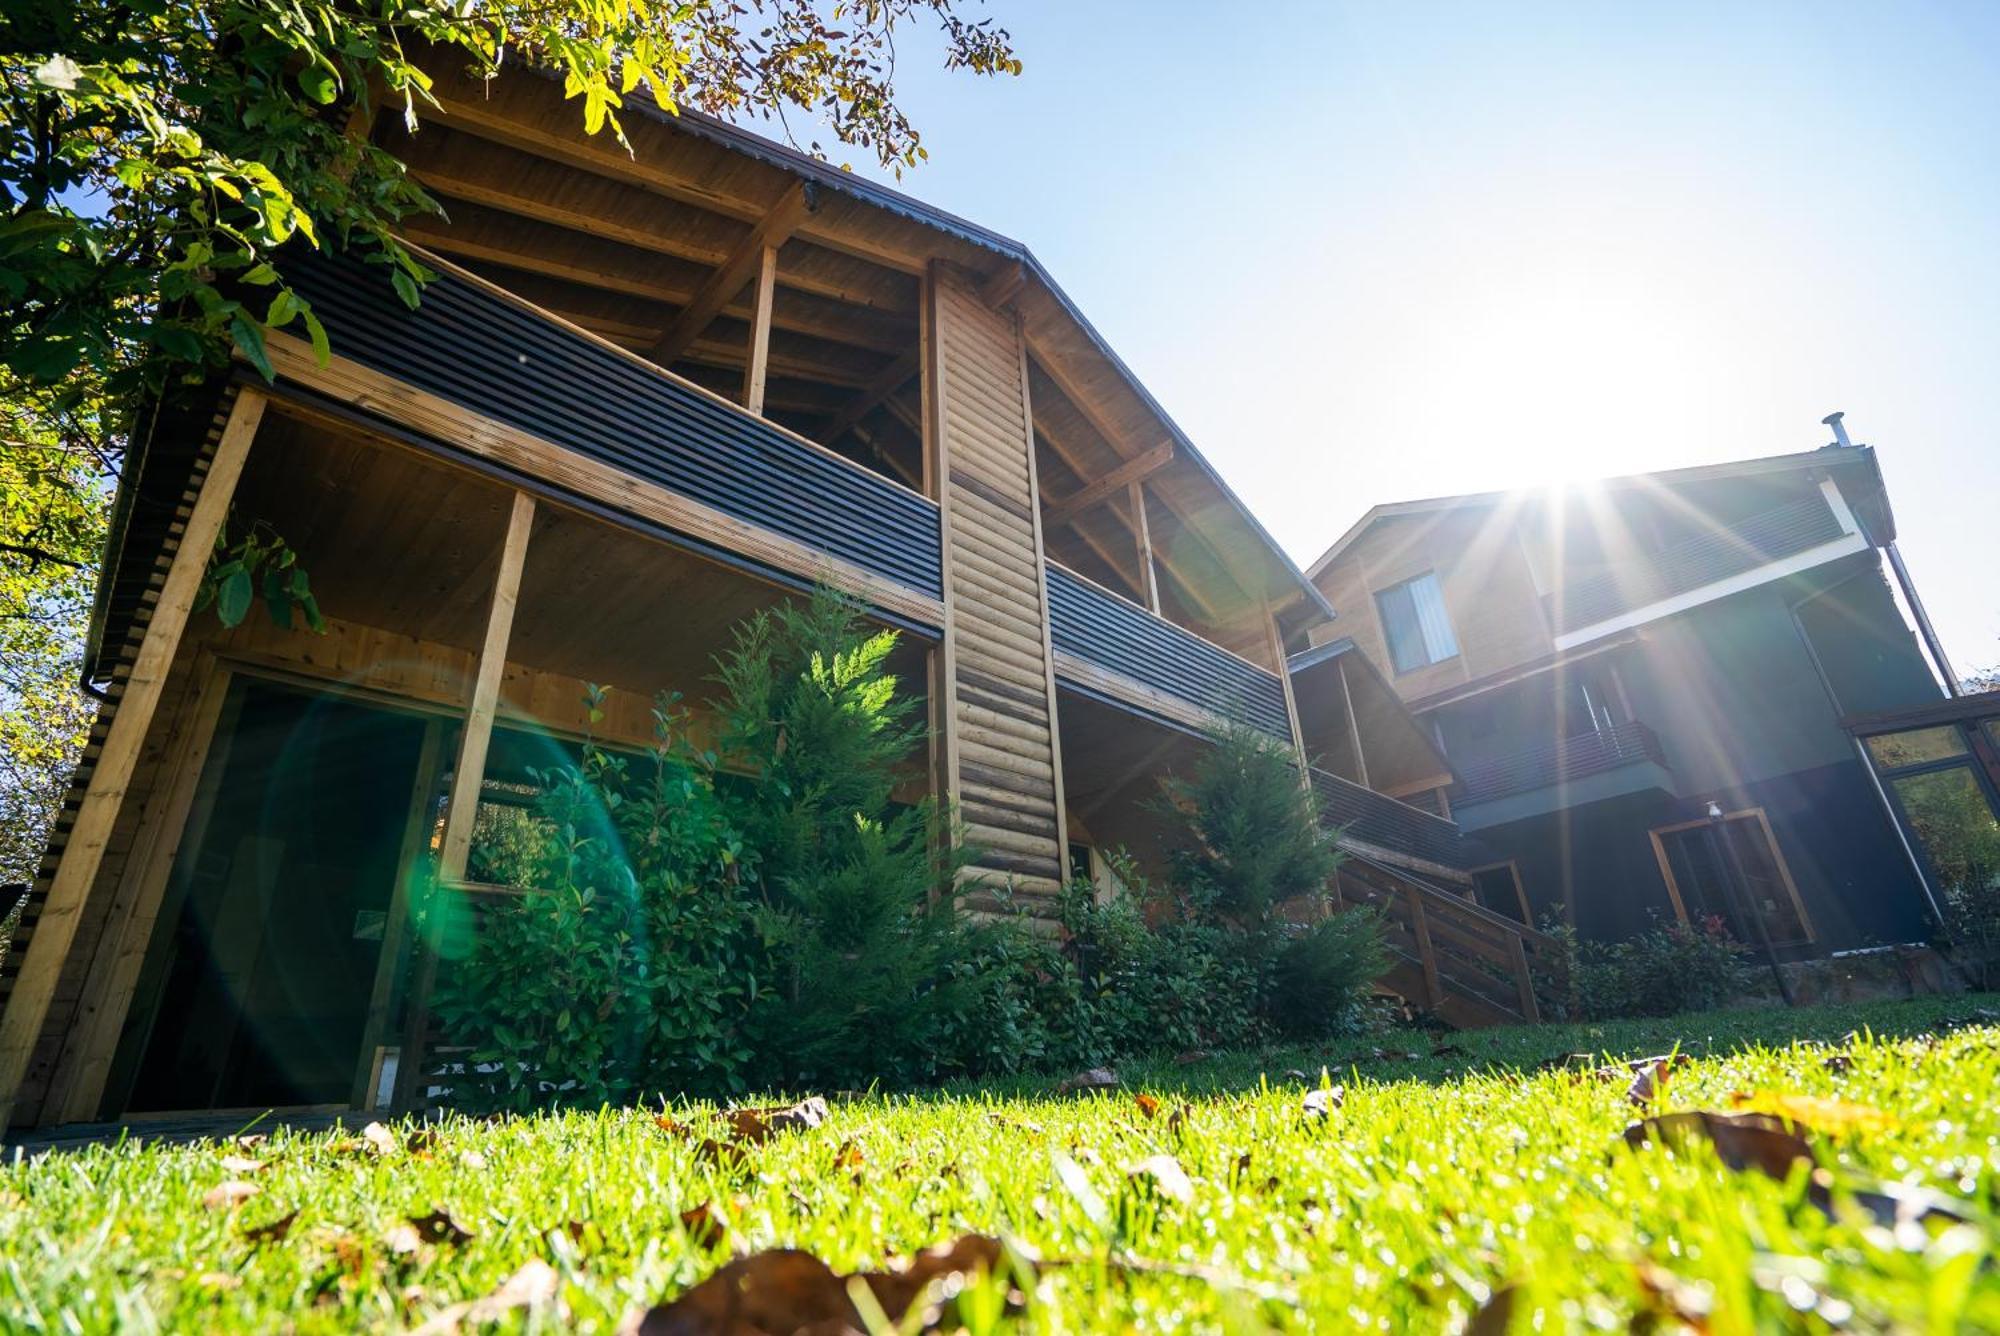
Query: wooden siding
{"x": 472, "y": 347}
{"x": 1001, "y": 760}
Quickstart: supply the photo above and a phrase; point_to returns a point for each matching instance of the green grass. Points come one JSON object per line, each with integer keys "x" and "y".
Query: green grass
{"x": 1438, "y": 1181}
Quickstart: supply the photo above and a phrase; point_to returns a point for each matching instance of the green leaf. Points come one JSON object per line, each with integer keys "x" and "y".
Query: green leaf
{"x": 249, "y": 339}
{"x": 283, "y": 307}
{"x": 322, "y": 348}
{"x": 46, "y": 360}
{"x": 320, "y": 83}
{"x": 232, "y": 597}
{"x": 406, "y": 288}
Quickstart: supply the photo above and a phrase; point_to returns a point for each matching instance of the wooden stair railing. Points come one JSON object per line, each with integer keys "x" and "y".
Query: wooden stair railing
{"x": 1468, "y": 964}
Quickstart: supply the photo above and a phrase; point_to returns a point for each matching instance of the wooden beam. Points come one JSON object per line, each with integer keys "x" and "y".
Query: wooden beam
{"x": 1277, "y": 643}
{"x": 890, "y": 379}
{"x": 758, "y": 369}
{"x": 1132, "y": 471}
{"x": 770, "y": 232}
{"x": 1136, "y": 500}
{"x": 578, "y": 151}
{"x": 469, "y": 770}
{"x": 83, "y": 852}
{"x": 872, "y": 295}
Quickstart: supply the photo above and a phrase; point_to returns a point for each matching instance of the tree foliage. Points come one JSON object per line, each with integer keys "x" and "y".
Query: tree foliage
{"x": 158, "y": 153}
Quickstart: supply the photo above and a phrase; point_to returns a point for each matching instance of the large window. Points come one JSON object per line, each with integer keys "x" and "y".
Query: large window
{"x": 1944, "y": 781}
{"x": 1733, "y": 870}
{"x": 1414, "y": 619}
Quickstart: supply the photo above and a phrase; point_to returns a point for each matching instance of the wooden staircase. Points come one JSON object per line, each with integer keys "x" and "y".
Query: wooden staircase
{"x": 1456, "y": 959}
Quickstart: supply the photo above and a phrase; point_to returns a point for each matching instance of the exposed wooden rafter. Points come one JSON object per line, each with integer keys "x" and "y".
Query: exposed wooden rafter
{"x": 759, "y": 357}
{"x": 892, "y": 378}
{"x": 1091, "y": 493}
{"x": 726, "y": 282}
{"x": 1004, "y": 284}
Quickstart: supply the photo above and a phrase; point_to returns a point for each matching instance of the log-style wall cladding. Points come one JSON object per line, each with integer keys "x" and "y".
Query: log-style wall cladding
{"x": 1001, "y": 761}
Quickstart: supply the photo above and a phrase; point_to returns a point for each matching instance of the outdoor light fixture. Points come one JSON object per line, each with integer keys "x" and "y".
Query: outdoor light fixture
{"x": 1714, "y": 811}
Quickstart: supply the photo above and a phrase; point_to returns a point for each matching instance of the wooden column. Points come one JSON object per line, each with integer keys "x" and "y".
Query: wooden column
{"x": 1353, "y": 726}
{"x": 462, "y": 802}
{"x": 1291, "y": 701}
{"x": 1143, "y": 530}
{"x": 1000, "y": 756}
{"x": 83, "y": 852}
{"x": 758, "y": 366}
{"x": 469, "y": 771}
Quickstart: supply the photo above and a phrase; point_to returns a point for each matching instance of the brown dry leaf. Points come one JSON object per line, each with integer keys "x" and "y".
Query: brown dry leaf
{"x": 849, "y": 1156}
{"x": 273, "y": 1231}
{"x": 403, "y": 1240}
{"x": 1649, "y": 1077}
{"x": 703, "y": 1229}
{"x": 241, "y": 1164}
{"x": 379, "y": 1139}
{"x": 1319, "y": 1104}
{"x": 1496, "y": 1316}
{"x": 726, "y": 1153}
{"x": 421, "y": 1141}
{"x": 1832, "y": 1116}
{"x": 229, "y": 1194}
{"x": 669, "y": 1125}
{"x": 1148, "y": 1105}
{"x": 439, "y": 1227}
{"x": 755, "y": 1126}
{"x": 1086, "y": 1082}
{"x": 535, "y": 1285}
{"x": 785, "y": 1291}
{"x": 1176, "y": 1119}
{"x": 249, "y": 1140}
{"x": 1689, "y": 1304}
{"x": 1757, "y": 1141}
{"x": 1162, "y": 1174}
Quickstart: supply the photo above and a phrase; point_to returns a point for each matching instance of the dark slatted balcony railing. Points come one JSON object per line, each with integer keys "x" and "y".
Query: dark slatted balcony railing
{"x": 1768, "y": 536}
{"x": 1557, "y": 762}
{"x": 1101, "y": 628}
{"x": 478, "y": 350}
{"x": 1380, "y": 821}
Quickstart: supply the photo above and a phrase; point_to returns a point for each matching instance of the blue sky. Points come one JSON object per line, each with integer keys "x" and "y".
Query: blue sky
{"x": 1370, "y": 252}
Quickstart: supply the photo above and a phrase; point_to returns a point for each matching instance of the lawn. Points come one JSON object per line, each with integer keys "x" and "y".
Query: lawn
{"x": 1429, "y": 1190}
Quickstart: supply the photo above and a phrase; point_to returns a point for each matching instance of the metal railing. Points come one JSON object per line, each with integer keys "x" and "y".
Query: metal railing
{"x": 1385, "y": 823}
{"x": 1557, "y": 762}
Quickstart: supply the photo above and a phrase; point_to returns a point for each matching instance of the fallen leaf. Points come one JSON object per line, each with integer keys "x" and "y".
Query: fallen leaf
{"x": 241, "y": 1164}
{"x": 439, "y": 1227}
{"x": 1097, "y": 1078}
{"x": 231, "y": 1193}
{"x": 219, "y": 1280}
{"x": 1757, "y": 1141}
{"x": 1320, "y": 1103}
{"x": 849, "y": 1156}
{"x": 1688, "y": 1302}
{"x": 535, "y": 1285}
{"x": 421, "y": 1141}
{"x": 1838, "y": 1062}
{"x": 379, "y": 1139}
{"x": 757, "y": 1125}
{"x": 1828, "y": 1116}
{"x": 249, "y": 1140}
{"x": 784, "y": 1290}
{"x": 1163, "y": 1174}
{"x": 1649, "y": 1077}
{"x": 1148, "y": 1105}
{"x": 703, "y": 1229}
{"x": 403, "y": 1240}
{"x": 273, "y": 1231}
{"x": 1496, "y": 1316}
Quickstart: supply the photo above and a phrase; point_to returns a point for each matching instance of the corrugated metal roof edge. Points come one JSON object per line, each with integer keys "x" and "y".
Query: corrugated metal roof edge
{"x": 785, "y": 158}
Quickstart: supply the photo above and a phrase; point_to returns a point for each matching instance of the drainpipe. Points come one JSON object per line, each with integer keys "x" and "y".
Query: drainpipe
{"x": 1903, "y": 581}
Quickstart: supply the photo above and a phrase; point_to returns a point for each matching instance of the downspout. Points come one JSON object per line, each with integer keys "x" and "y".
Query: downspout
{"x": 1861, "y": 750}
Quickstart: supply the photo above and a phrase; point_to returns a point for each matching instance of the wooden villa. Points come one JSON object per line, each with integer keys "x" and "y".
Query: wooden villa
{"x": 647, "y": 395}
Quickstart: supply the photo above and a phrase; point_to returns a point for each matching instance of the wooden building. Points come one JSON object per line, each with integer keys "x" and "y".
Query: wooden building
{"x": 646, "y": 395}
{"x": 1640, "y": 684}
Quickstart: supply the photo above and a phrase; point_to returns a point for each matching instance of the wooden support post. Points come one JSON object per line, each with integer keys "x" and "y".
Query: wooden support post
{"x": 757, "y": 368}
{"x": 1291, "y": 702}
{"x": 1142, "y": 530}
{"x": 468, "y": 773}
{"x": 1353, "y": 726}
{"x": 76, "y": 872}
{"x": 729, "y": 279}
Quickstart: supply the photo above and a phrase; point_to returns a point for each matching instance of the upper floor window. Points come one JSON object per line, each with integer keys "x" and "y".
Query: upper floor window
{"x": 1414, "y": 619}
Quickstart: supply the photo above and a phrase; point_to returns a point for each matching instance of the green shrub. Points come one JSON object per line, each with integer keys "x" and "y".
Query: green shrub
{"x": 1321, "y": 975}
{"x": 1254, "y": 838}
{"x": 1672, "y": 968}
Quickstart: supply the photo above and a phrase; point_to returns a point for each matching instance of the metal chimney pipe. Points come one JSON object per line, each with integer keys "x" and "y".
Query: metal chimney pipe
{"x": 1839, "y": 431}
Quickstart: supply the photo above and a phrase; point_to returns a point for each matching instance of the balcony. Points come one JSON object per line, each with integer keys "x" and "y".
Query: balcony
{"x": 1561, "y": 764}
{"x": 1380, "y": 825}
{"x": 1182, "y": 675}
